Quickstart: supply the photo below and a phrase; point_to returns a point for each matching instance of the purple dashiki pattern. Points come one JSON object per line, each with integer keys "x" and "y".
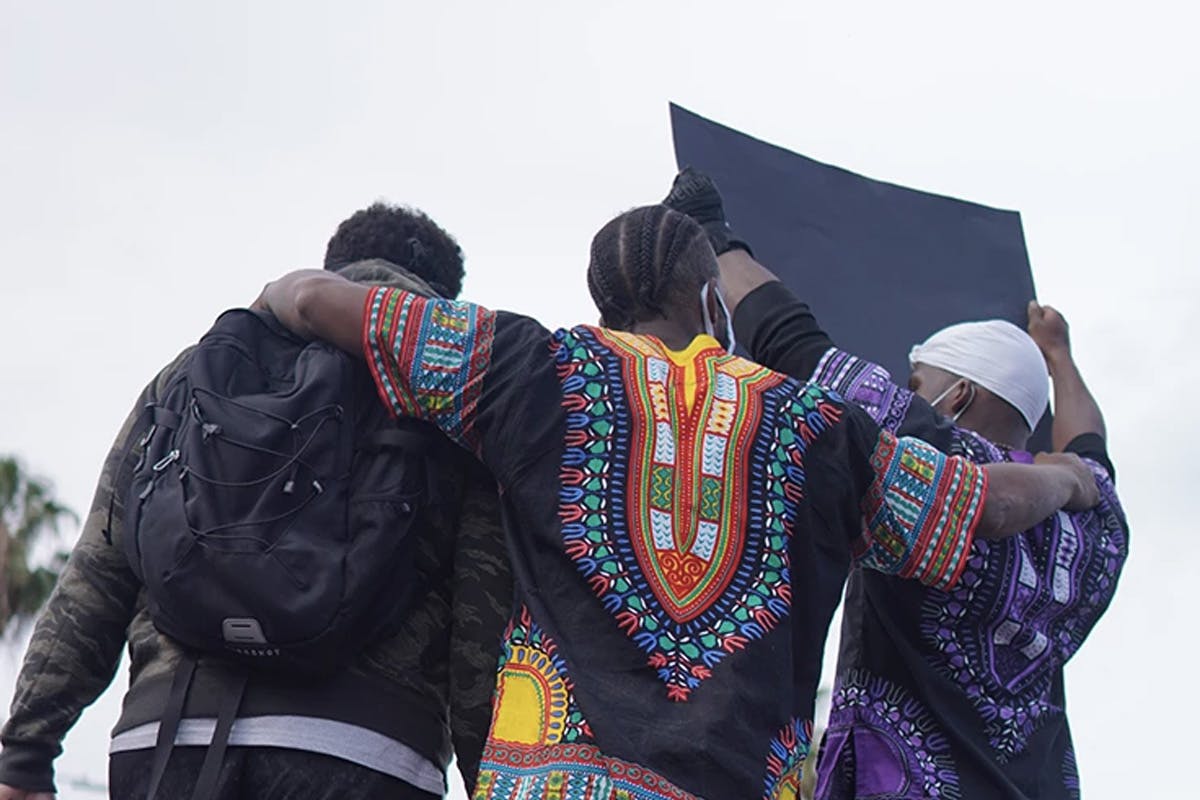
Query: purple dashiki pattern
{"x": 867, "y": 385}
{"x": 1023, "y": 605}
{"x": 902, "y": 754}
{"x": 1070, "y": 774}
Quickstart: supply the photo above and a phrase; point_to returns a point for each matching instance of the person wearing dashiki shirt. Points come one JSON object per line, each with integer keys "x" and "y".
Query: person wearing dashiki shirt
{"x": 950, "y": 692}
{"x": 680, "y": 520}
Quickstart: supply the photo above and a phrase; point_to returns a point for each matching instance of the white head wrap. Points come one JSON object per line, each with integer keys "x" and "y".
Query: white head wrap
{"x": 998, "y": 356}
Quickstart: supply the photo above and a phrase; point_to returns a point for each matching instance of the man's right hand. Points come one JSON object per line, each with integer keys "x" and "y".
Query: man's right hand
{"x": 317, "y": 304}
{"x": 13, "y": 793}
{"x": 1086, "y": 494}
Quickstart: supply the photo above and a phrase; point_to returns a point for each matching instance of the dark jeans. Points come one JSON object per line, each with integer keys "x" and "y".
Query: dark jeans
{"x": 257, "y": 773}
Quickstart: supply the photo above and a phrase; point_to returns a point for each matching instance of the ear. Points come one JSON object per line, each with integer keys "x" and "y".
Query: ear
{"x": 960, "y": 397}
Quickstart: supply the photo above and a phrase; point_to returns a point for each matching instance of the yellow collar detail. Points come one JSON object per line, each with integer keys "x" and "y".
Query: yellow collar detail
{"x": 686, "y": 358}
{"x": 688, "y": 355}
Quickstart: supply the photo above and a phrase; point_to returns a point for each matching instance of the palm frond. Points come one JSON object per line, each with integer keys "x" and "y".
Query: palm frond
{"x": 29, "y": 514}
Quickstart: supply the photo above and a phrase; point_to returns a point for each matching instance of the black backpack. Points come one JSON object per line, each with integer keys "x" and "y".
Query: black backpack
{"x": 272, "y": 507}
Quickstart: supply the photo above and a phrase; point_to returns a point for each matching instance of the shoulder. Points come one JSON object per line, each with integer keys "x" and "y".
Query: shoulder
{"x": 595, "y": 337}
{"x": 582, "y": 343}
{"x": 806, "y": 398}
{"x": 159, "y": 384}
{"x": 981, "y": 450}
{"x": 806, "y": 412}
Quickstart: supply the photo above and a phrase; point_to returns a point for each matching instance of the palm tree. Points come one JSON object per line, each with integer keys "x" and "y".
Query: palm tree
{"x": 28, "y": 513}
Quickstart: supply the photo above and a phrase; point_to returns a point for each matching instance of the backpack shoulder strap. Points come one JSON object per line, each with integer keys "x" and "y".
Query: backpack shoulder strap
{"x": 168, "y": 726}
{"x": 420, "y": 441}
{"x": 210, "y": 770}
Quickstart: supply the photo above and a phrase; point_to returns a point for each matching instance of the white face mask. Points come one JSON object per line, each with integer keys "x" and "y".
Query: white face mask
{"x": 949, "y": 389}
{"x": 709, "y": 327}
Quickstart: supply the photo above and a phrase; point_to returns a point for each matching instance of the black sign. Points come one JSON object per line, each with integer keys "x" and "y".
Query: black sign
{"x": 881, "y": 266}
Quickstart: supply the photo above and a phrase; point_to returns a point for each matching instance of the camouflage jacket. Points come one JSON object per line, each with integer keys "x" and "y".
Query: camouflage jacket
{"x": 436, "y": 675}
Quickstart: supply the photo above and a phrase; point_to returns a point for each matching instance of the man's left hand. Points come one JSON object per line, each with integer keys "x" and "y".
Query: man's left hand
{"x": 1048, "y": 328}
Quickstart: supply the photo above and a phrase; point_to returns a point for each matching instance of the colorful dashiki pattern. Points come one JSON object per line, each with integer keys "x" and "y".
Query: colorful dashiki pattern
{"x": 450, "y": 346}
{"x": 660, "y": 533}
{"x": 540, "y": 746}
{"x": 661, "y": 537}
{"x": 1001, "y": 635}
{"x": 785, "y": 765}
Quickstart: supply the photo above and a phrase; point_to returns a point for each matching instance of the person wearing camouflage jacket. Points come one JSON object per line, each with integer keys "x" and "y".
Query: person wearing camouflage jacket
{"x": 414, "y": 697}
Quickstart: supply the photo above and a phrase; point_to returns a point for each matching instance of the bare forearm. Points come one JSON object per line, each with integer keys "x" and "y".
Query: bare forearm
{"x": 318, "y": 305}
{"x": 1020, "y": 496}
{"x": 1076, "y": 412}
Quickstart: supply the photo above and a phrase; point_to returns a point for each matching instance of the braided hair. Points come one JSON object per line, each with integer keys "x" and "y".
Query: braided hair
{"x": 645, "y": 261}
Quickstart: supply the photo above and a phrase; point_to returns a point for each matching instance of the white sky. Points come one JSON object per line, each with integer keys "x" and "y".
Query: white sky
{"x": 159, "y": 164}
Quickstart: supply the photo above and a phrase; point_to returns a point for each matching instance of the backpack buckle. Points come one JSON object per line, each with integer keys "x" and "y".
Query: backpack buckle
{"x": 242, "y": 630}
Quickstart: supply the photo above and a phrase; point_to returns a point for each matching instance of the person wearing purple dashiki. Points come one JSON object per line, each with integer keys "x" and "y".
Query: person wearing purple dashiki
{"x": 950, "y": 692}
{"x": 680, "y": 519}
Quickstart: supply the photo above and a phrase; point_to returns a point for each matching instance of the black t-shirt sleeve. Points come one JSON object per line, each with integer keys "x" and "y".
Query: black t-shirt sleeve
{"x": 780, "y": 331}
{"x": 1092, "y": 445}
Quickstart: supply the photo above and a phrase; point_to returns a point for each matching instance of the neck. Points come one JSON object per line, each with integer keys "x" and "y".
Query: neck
{"x": 1009, "y": 433}
{"x": 672, "y": 334}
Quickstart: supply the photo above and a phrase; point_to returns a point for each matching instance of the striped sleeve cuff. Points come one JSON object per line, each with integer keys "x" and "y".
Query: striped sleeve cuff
{"x": 429, "y": 357}
{"x": 921, "y": 512}
{"x": 384, "y": 319}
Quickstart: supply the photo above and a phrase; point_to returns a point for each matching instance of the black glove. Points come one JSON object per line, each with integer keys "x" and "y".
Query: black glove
{"x": 694, "y": 193}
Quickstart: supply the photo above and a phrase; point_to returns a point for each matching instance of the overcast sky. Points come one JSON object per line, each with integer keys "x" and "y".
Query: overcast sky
{"x": 159, "y": 164}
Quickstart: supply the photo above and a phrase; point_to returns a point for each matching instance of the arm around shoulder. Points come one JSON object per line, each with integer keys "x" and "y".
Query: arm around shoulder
{"x": 316, "y": 304}
{"x": 1020, "y": 496}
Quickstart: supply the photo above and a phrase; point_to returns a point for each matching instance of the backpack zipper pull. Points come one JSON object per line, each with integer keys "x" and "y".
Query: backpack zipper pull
{"x": 290, "y": 485}
{"x": 166, "y": 461}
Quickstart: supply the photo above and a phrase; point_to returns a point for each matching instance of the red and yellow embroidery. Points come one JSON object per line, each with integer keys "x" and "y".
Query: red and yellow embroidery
{"x": 920, "y": 512}
{"x": 539, "y": 745}
{"x": 533, "y": 703}
{"x": 679, "y": 485}
{"x": 429, "y": 357}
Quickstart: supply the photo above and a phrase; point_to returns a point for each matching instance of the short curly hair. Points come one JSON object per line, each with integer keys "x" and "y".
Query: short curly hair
{"x": 406, "y": 237}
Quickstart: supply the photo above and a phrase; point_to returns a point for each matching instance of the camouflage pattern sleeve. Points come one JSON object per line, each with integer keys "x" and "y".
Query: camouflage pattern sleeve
{"x": 76, "y": 644}
{"x": 482, "y": 603}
